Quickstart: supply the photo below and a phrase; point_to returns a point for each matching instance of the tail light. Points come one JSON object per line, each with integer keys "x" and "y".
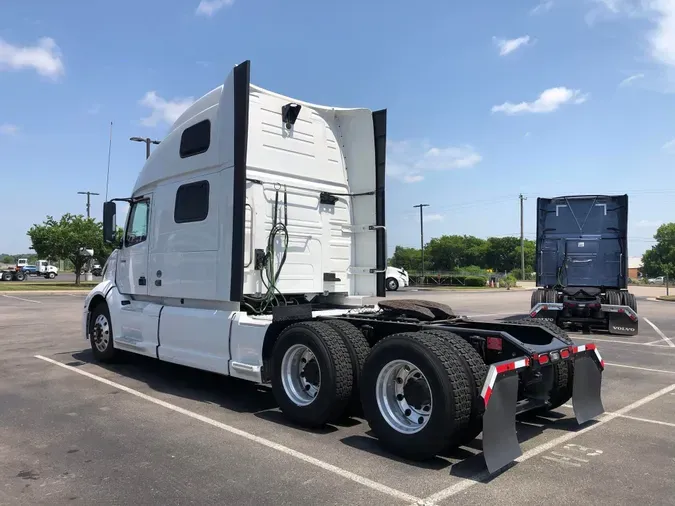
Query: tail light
{"x": 565, "y": 353}
{"x": 494, "y": 343}
{"x": 543, "y": 359}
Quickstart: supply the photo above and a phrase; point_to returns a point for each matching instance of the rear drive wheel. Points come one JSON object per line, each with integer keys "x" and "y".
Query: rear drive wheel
{"x": 20, "y": 276}
{"x": 312, "y": 373}
{"x": 7, "y": 276}
{"x": 550, "y": 296}
{"x": 476, "y": 371}
{"x": 358, "y": 349}
{"x": 100, "y": 334}
{"x": 415, "y": 394}
{"x": 631, "y": 301}
{"x": 613, "y": 297}
{"x": 392, "y": 284}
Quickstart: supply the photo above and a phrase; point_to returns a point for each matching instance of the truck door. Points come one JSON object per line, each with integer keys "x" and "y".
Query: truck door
{"x": 132, "y": 261}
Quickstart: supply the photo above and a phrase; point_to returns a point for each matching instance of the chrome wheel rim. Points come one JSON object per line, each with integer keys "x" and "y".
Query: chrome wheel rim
{"x": 101, "y": 334}
{"x": 300, "y": 375}
{"x": 392, "y": 284}
{"x": 404, "y": 396}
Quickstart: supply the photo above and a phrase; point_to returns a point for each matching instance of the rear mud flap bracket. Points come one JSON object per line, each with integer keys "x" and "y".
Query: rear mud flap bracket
{"x": 500, "y": 395}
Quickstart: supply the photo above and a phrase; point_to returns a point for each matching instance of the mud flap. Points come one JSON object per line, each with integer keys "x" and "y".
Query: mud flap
{"x": 621, "y": 324}
{"x": 586, "y": 398}
{"x": 500, "y": 395}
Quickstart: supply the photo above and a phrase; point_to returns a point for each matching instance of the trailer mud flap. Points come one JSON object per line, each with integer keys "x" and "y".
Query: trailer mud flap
{"x": 586, "y": 397}
{"x": 500, "y": 395}
{"x": 621, "y": 323}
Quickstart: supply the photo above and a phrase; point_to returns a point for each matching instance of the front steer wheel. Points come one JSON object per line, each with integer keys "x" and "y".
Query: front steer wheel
{"x": 415, "y": 394}
{"x": 312, "y": 373}
{"x": 100, "y": 334}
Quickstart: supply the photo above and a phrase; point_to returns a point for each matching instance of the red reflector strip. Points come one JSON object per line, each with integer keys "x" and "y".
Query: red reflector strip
{"x": 496, "y": 370}
{"x": 533, "y": 314}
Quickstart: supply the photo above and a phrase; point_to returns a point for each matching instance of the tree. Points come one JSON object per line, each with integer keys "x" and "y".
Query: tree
{"x": 66, "y": 239}
{"x": 503, "y": 253}
{"x": 409, "y": 259}
{"x": 7, "y": 259}
{"x": 660, "y": 259}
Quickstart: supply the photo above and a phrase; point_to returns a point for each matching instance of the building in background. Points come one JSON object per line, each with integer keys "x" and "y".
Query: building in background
{"x": 634, "y": 267}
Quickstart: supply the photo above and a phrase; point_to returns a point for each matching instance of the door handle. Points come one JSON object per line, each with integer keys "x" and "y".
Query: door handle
{"x": 123, "y": 261}
{"x": 141, "y": 281}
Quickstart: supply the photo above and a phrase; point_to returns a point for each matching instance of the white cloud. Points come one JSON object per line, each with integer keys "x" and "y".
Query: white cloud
{"x": 44, "y": 57}
{"x": 668, "y": 146}
{"x": 649, "y": 224}
{"x": 407, "y": 161}
{"x": 8, "y": 129}
{"x": 662, "y": 38}
{"x": 548, "y": 101}
{"x": 210, "y": 7}
{"x": 544, "y": 6}
{"x": 630, "y": 79}
{"x": 433, "y": 217}
{"x": 507, "y": 46}
{"x": 166, "y": 111}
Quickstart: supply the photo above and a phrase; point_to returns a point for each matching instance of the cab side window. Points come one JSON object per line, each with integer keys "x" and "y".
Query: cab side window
{"x": 137, "y": 226}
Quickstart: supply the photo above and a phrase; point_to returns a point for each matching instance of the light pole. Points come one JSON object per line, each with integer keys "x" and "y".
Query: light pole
{"x": 147, "y": 141}
{"x": 422, "y": 206}
{"x": 88, "y": 194}
{"x": 522, "y": 239}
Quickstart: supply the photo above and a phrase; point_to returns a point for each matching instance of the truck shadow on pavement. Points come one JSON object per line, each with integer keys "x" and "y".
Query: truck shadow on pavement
{"x": 244, "y": 397}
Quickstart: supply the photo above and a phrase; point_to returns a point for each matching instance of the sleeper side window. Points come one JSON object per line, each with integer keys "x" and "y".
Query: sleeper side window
{"x": 195, "y": 139}
{"x": 192, "y": 202}
{"x": 137, "y": 226}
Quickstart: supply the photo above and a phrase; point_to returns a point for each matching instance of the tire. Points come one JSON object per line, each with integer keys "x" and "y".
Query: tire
{"x": 550, "y": 296}
{"x": 392, "y": 284}
{"x": 328, "y": 362}
{"x": 441, "y": 374}
{"x": 7, "y": 276}
{"x": 51, "y": 275}
{"x": 559, "y": 333}
{"x": 476, "y": 371}
{"x": 613, "y": 297}
{"x": 100, "y": 334}
{"x": 20, "y": 276}
{"x": 632, "y": 301}
{"x": 358, "y": 349}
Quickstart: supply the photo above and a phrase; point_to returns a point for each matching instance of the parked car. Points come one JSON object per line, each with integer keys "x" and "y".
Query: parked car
{"x": 659, "y": 280}
{"x": 395, "y": 278}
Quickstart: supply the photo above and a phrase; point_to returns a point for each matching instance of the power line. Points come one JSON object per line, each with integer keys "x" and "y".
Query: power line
{"x": 88, "y": 194}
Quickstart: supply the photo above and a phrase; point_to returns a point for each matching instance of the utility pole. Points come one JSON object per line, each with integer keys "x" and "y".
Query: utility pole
{"x": 422, "y": 206}
{"x": 522, "y": 239}
{"x": 147, "y": 141}
{"x": 88, "y": 194}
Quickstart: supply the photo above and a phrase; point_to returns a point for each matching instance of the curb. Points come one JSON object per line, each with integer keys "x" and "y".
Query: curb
{"x": 661, "y": 299}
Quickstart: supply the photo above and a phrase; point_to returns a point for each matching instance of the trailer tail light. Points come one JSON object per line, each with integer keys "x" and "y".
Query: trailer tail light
{"x": 494, "y": 343}
{"x": 543, "y": 359}
{"x": 564, "y": 353}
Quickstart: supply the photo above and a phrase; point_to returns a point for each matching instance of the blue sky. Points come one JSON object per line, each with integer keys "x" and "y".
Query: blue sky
{"x": 486, "y": 99}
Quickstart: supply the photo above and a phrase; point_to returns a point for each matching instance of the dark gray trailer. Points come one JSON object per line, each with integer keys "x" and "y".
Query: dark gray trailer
{"x": 582, "y": 264}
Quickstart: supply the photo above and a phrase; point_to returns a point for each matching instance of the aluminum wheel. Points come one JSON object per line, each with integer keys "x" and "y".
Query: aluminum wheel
{"x": 101, "y": 333}
{"x": 404, "y": 396}
{"x": 300, "y": 375}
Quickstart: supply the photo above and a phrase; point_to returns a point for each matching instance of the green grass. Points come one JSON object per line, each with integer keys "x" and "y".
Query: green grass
{"x": 21, "y": 286}
{"x": 670, "y": 298}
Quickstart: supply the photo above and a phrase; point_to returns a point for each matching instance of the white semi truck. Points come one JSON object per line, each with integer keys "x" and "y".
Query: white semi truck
{"x": 255, "y": 232}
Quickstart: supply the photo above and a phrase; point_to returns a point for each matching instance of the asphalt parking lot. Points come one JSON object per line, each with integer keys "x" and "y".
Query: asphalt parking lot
{"x": 143, "y": 432}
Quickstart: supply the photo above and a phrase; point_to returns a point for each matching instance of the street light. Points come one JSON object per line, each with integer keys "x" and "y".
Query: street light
{"x": 147, "y": 141}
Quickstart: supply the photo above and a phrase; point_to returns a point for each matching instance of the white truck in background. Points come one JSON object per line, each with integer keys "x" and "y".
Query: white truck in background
{"x": 255, "y": 233}
{"x": 396, "y": 278}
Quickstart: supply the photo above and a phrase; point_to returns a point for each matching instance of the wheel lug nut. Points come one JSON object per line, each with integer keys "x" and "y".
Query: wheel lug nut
{"x": 399, "y": 397}
{"x": 407, "y": 412}
{"x": 399, "y": 380}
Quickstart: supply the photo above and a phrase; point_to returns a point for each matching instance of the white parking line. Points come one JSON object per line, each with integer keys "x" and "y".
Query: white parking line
{"x": 658, "y": 331}
{"x": 628, "y": 417}
{"x": 639, "y": 368}
{"x": 246, "y": 435}
{"x": 537, "y": 450}
{"x": 601, "y": 340}
{"x": 19, "y": 298}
